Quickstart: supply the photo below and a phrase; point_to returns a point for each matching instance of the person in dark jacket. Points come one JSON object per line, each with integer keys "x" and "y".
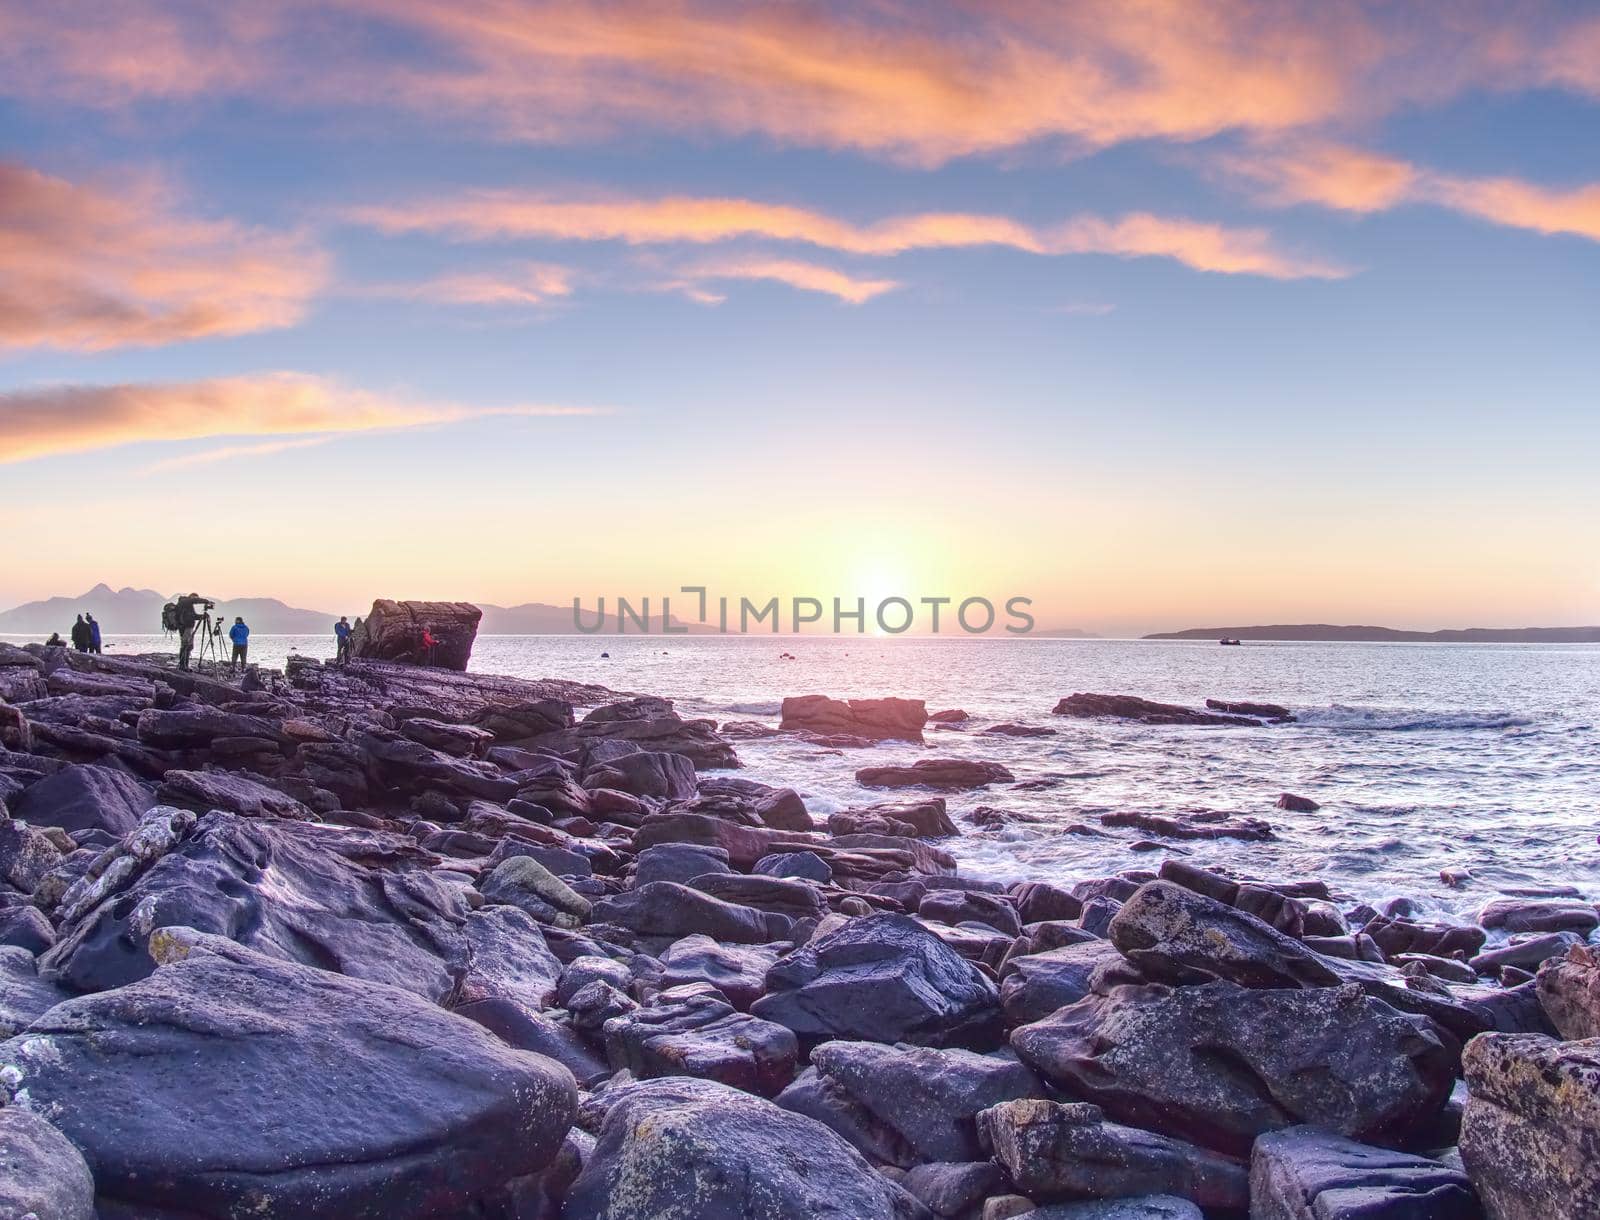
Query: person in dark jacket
{"x": 55, "y": 641}
{"x": 240, "y": 635}
{"x": 94, "y": 633}
{"x": 341, "y": 636}
{"x": 80, "y": 635}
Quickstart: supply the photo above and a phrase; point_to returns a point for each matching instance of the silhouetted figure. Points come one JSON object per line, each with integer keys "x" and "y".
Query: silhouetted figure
{"x": 188, "y": 618}
{"x": 240, "y": 635}
{"x": 55, "y": 641}
{"x": 341, "y": 636}
{"x": 80, "y": 635}
{"x": 94, "y": 633}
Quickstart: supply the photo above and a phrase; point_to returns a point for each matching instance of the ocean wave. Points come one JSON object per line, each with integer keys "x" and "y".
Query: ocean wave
{"x": 1387, "y": 719}
{"x": 768, "y": 707}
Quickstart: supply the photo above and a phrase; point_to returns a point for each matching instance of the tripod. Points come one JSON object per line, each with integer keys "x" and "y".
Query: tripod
{"x": 205, "y": 643}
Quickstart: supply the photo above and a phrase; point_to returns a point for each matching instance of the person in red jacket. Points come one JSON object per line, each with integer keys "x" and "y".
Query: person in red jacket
{"x": 430, "y": 647}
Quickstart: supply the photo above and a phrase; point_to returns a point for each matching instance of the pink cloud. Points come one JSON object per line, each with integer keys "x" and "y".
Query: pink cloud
{"x": 95, "y": 267}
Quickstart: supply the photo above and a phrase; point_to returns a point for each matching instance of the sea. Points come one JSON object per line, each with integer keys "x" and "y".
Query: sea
{"x": 1481, "y": 758}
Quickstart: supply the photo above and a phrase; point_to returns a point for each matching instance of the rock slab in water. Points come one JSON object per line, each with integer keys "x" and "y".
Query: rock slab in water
{"x": 696, "y": 1149}
{"x": 392, "y": 631}
{"x": 230, "y": 1083}
{"x": 1530, "y": 1135}
{"x": 1307, "y": 1174}
{"x": 873, "y": 719}
{"x": 959, "y": 773}
{"x": 1145, "y": 711}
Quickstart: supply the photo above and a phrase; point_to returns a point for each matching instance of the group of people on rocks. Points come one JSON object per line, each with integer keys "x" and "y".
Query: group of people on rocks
{"x": 85, "y": 635}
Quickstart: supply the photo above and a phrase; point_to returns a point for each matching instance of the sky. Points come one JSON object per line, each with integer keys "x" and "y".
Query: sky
{"x": 1162, "y": 314}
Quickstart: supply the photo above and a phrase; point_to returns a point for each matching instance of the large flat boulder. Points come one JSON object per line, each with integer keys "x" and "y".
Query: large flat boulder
{"x": 882, "y": 978}
{"x": 392, "y": 631}
{"x": 1221, "y": 1064}
{"x": 1306, "y": 1174}
{"x": 85, "y": 797}
{"x": 1145, "y": 711}
{"x": 1530, "y": 1134}
{"x": 690, "y": 1031}
{"x": 692, "y": 1148}
{"x": 230, "y": 1083}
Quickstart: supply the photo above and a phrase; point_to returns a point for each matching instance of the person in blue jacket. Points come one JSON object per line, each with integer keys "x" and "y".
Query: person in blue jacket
{"x": 240, "y": 635}
{"x": 94, "y": 633}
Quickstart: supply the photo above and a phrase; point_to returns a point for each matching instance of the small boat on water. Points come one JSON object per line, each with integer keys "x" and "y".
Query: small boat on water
{"x": 1234, "y": 643}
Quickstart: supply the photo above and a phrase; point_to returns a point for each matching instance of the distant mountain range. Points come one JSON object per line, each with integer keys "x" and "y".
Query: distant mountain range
{"x": 138, "y": 612}
{"x": 1328, "y": 631}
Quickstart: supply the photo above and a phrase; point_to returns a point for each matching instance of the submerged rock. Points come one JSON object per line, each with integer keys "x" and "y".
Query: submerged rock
{"x": 936, "y": 773}
{"x": 229, "y": 1083}
{"x": 693, "y": 1148}
{"x": 1145, "y": 711}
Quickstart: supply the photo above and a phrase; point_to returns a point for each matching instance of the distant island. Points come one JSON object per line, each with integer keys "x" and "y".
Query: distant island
{"x": 1329, "y": 631}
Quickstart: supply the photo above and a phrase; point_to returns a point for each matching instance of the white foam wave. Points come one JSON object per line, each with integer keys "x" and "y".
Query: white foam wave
{"x": 1389, "y": 719}
{"x": 770, "y": 707}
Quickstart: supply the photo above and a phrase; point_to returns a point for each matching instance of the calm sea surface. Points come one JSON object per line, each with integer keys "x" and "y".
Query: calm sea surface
{"x": 1423, "y": 756}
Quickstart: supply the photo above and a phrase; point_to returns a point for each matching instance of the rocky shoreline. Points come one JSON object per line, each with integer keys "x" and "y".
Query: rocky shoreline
{"x": 387, "y": 941}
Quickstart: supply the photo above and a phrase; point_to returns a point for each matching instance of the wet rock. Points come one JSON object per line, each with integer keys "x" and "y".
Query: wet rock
{"x": 1210, "y": 825}
{"x": 1440, "y": 967}
{"x": 1527, "y": 953}
{"x": 957, "y": 907}
{"x": 42, "y": 1175}
{"x": 1530, "y": 1136}
{"x": 738, "y": 971}
{"x": 881, "y": 978}
{"x": 1053, "y": 1151}
{"x": 1145, "y": 711}
{"x": 872, "y": 719}
{"x": 949, "y": 715}
{"x": 1035, "y": 986}
{"x": 905, "y": 1105}
{"x": 523, "y": 882}
{"x": 927, "y": 818}
{"x": 1009, "y": 729}
{"x": 794, "y": 899}
{"x": 1569, "y": 990}
{"x": 1306, "y": 1174}
{"x": 690, "y": 1031}
{"x": 959, "y": 773}
{"x": 800, "y": 865}
{"x": 1523, "y": 915}
{"x": 651, "y": 724}
{"x": 759, "y": 804}
{"x": 1297, "y": 804}
{"x": 85, "y": 797}
{"x": 679, "y": 862}
{"x": 664, "y": 908}
{"x": 358, "y": 902}
{"x": 1238, "y": 707}
{"x": 1212, "y": 1063}
{"x": 1395, "y": 936}
{"x": 392, "y": 631}
{"x": 229, "y": 1082}
{"x": 693, "y": 1148}
{"x": 1039, "y": 900}
{"x": 1174, "y": 935}
{"x": 652, "y": 773}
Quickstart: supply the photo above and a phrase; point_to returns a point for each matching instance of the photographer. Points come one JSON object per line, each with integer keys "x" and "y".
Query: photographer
{"x": 190, "y": 611}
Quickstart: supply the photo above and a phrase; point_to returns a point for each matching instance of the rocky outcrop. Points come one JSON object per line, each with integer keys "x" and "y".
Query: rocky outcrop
{"x": 1530, "y": 1135}
{"x": 1215, "y": 1063}
{"x": 392, "y": 631}
{"x": 869, "y": 719}
{"x": 882, "y": 978}
{"x": 229, "y": 1082}
{"x": 1306, "y": 1174}
{"x": 1053, "y": 1151}
{"x": 1145, "y": 711}
{"x": 695, "y": 1148}
{"x": 84, "y": 797}
{"x": 957, "y": 773}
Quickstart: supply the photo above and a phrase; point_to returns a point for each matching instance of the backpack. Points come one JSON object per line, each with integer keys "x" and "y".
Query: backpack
{"x": 169, "y": 616}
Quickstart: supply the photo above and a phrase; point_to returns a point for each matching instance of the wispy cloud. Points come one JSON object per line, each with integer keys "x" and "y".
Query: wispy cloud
{"x": 693, "y": 220}
{"x": 102, "y": 266}
{"x": 1355, "y": 180}
{"x": 526, "y": 284}
{"x": 78, "y": 418}
{"x": 807, "y": 277}
{"x": 916, "y": 82}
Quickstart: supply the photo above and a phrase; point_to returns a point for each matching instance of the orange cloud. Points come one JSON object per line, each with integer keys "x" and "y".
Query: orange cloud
{"x": 91, "y": 267}
{"x": 78, "y": 418}
{"x": 691, "y": 220}
{"x": 808, "y": 277}
{"x": 1358, "y": 181}
{"x": 528, "y": 284}
{"x": 919, "y": 82}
